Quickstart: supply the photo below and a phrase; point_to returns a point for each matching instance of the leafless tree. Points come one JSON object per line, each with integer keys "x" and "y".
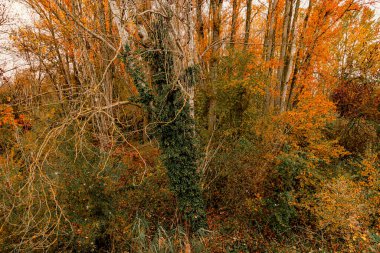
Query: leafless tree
{"x": 3, "y": 13}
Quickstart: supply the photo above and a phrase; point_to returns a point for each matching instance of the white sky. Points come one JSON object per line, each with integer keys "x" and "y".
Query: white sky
{"x": 19, "y": 15}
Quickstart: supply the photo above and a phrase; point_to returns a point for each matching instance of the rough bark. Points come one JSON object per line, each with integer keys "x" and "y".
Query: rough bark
{"x": 192, "y": 52}
{"x": 289, "y": 60}
{"x": 268, "y": 52}
{"x": 247, "y": 29}
{"x": 200, "y": 24}
{"x": 234, "y": 17}
{"x": 283, "y": 50}
{"x": 297, "y": 59}
{"x": 216, "y": 9}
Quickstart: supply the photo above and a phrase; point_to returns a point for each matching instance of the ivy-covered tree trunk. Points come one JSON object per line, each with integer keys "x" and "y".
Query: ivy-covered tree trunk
{"x": 175, "y": 129}
{"x": 170, "y": 112}
{"x": 178, "y": 155}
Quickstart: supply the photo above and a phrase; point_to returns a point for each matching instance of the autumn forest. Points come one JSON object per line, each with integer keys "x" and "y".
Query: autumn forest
{"x": 190, "y": 126}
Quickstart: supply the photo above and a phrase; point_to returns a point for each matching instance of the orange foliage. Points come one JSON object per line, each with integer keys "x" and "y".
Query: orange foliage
{"x": 8, "y": 119}
{"x": 342, "y": 212}
{"x": 305, "y": 125}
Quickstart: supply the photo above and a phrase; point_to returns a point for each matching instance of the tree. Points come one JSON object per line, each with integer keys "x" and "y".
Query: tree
{"x": 170, "y": 110}
{"x": 215, "y": 43}
{"x": 247, "y": 29}
{"x": 269, "y": 50}
{"x": 235, "y": 15}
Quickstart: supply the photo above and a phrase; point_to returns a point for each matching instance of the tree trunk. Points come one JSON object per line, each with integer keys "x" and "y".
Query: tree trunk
{"x": 234, "y": 23}
{"x": 200, "y": 24}
{"x": 105, "y": 97}
{"x": 283, "y": 50}
{"x": 216, "y": 9}
{"x": 175, "y": 124}
{"x": 289, "y": 58}
{"x": 191, "y": 53}
{"x": 247, "y": 29}
{"x": 268, "y": 52}
{"x": 297, "y": 60}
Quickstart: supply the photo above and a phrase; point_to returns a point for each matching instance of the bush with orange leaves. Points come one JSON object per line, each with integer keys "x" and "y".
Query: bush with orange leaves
{"x": 306, "y": 127}
{"x": 8, "y": 118}
{"x": 343, "y": 212}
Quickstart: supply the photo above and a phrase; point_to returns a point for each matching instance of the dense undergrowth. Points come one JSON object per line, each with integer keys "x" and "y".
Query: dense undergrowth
{"x": 296, "y": 182}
